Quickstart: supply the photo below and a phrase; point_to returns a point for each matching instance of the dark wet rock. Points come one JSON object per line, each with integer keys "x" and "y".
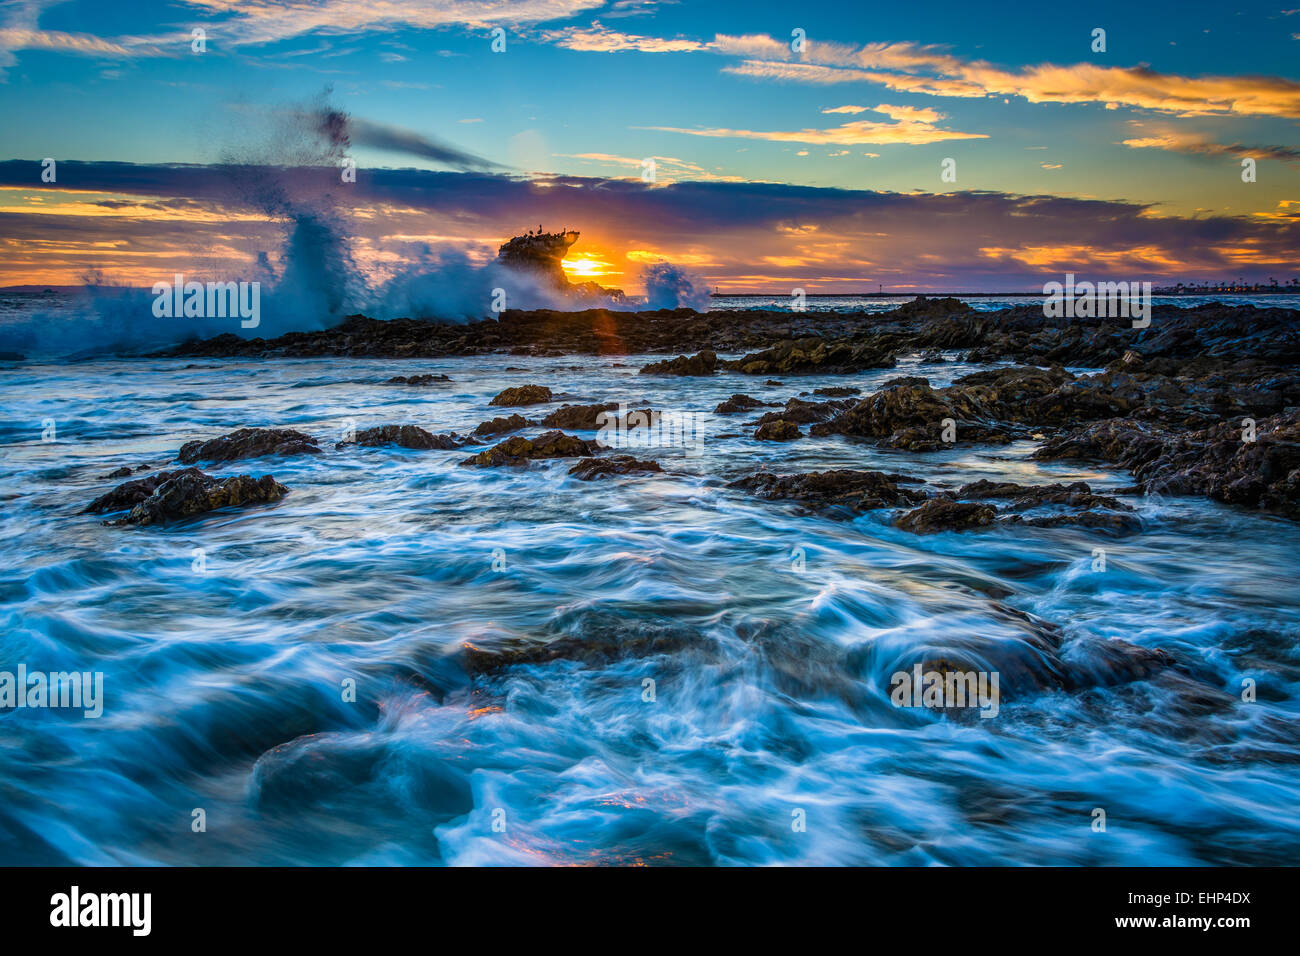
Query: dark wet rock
{"x": 588, "y": 417}
{"x": 817, "y": 355}
{"x": 122, "y": 472}
{"x": 600, "y": 643}
{"x": 913, "y": 416}
{"x": 129, "y": 493}
{"x": 499, "y": 425}
{"x": 523, "y": 395}
{"x": 427, "y": 379}
{"x": 933, "y": 357}
{"x": 1215, "y": 461}
{"x": 1077, "y": 494}
{"x": 738, "y": 403}
{"x": 837, "y": 391}
{"x": 941, "y": 514}
{"x": 518, "y": 450}
{"x": 405, "y": 436}
{"x": 704, "y": 362}
{"x": 772, "y": 381}
{"x": 805, "y": 413}
{"x": 838, "y": 490}
{"x": 1127, "y": 443}
{"x": 592, "y": 468}
{"x": 174, "y": 495}
{"x": 249, "y": 443}
{"x": 1094, "y": 662}
{"x": 1115, "y": 522}
{"x": 780, "y": 430}
{"x": 637, "y": 418}
{"x": 904, "y": 380}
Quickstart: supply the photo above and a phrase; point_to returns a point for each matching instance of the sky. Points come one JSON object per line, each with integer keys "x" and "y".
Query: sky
{"x": 762, "y": 146}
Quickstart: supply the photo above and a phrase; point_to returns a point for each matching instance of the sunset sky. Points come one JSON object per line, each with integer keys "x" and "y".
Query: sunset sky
{"x": 774, "y": 168}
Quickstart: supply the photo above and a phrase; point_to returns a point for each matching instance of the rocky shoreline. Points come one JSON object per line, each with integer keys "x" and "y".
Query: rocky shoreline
{"x": 1205, "y": 401}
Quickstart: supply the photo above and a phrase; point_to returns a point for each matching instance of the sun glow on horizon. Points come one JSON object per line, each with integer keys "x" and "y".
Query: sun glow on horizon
{"x": 588, "y": 265}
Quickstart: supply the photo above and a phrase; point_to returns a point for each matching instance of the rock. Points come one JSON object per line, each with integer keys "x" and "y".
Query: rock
{"x": 518, "y": 450}
{"x": 129, "y": 493}
{"x": 780, "y": 430}
{"x": 249, "y": 443}
{"x": 405, "y": 436}
{"x": 427, "y": 379}
{"x": 523, "y": 395}
{"x": 499, "y": 426}
{"x": 1218, "y": 463}
{"x": 837, "y": 391}
{"x": 592, "y": 468}
{"x": 122, "y": 472}
{"x": 540, "y": 255}
{"x": 804, "y": 413}
{"x": 171, "y": 496}
{"x": 1078, "y": 494}
{"x": 704, "y": 362}
{"x": 816, "y": 355}
{"x": 738, "y": 403}
{"x": 587, "y": 417}
{"x": 912, "y": 417}
{"x": 941, "y": 514}
{"x": 1115, "y": 522}
{"x": 835, "y": 491}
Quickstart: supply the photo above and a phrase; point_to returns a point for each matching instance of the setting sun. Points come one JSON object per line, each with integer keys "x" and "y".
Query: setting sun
{"x": 586, "y": 266}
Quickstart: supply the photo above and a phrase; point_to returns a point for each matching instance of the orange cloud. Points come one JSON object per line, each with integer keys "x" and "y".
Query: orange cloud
{"x": 910, "y": 126}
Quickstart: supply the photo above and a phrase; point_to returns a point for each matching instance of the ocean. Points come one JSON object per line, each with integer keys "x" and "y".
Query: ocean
{"x": 298, "y": 678}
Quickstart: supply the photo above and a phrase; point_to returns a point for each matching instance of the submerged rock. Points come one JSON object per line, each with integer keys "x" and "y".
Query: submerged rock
{"x": 586, "y": 417}
{"x": 427, "y": 379}
{"x": 942, "y": 514}
{"x": 738, "y": 403}
{"x": 702, "y": 363}
{"x": 523, "y": 395}
{"x": 804, "y": 413}
{"x": 519, "y": 450}
{"x": 779, "y": 430}
{"x": 1217, "y": 461}
{"x": 405, "y": 436}
{"x": 591, "y": 468}
{"x": 813, "y": 355}
{"x": 500, "y": 425}
{"x": 249, "y": 443}
{"x": 171, "y": 496}
{"x": 836, "y": 490}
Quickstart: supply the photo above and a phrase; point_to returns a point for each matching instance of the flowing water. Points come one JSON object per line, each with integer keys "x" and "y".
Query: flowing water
{"x": 770, "y": 636}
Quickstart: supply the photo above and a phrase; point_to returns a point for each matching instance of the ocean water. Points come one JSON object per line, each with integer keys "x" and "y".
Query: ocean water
{"x": 981, "y": 303}
{"x": 770, "y": 636}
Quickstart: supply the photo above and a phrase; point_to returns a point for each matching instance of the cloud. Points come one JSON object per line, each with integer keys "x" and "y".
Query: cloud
{"x": 910, "y": 126}
{"x": 1201, "y": 144}
{"x": 241, "y": 23}
{"x": 600, "y": 39}
{"x": 668, "y": 169}
{"x": 914, "y": 68}
{"x": 768, "y": 236}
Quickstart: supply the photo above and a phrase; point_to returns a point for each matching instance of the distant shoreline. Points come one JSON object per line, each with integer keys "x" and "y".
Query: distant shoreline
{"x": 977, "y": 295}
